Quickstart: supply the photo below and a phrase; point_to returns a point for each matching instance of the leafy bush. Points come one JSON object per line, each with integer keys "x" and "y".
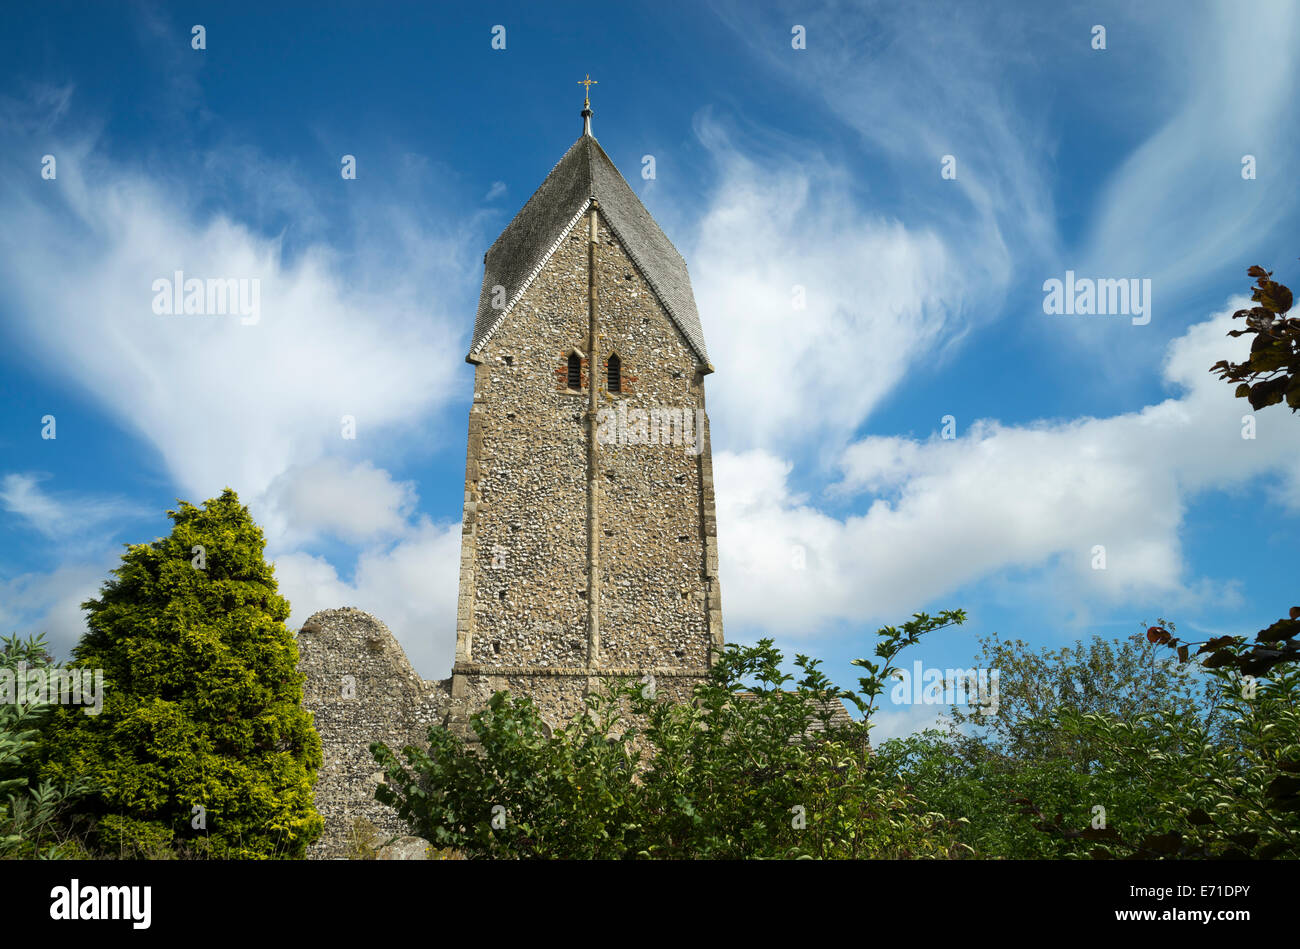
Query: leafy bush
{"x": 984, "y": 768}
{"x": 1231, "y": 794}
{"x": 748, "y": 769}
{"x": 1112, "y": 751}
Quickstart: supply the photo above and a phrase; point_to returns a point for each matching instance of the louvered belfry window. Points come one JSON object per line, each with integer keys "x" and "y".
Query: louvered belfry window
{"x": 575, "y": 371}
{"x": 615, "y": 374}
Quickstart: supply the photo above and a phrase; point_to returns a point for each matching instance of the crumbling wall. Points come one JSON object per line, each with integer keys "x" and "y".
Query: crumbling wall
{"x": 360, "y": 688}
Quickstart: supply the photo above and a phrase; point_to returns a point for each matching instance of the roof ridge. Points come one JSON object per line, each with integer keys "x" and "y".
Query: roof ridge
{"x": 537, "y": 191}
{"x": 631, "y": 190}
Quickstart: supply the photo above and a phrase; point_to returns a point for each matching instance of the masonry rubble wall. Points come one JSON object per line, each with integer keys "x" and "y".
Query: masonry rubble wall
{"x": 360, "y": 688}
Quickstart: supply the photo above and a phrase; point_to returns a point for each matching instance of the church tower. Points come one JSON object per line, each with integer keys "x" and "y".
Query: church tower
{"x": 589, "y": 542}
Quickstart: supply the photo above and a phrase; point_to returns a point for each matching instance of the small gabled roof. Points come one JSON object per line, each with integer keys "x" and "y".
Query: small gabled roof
{"x": 839, "y": 716}
{"x": 518, "y": 255}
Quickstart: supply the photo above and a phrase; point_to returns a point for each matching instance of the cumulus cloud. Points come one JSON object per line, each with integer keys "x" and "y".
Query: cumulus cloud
{"x": 944, "y": 513}
{"x": 410, "y": 585}
{"x": 330, "y": 497}
{"x": 50, "y": 602}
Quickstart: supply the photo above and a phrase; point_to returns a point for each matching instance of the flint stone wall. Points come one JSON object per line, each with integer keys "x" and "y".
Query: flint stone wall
{"x": 524, "y": 579}
{"x": 360, "y": 688}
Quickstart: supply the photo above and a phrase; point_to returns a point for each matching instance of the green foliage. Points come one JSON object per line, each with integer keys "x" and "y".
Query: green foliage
{"x": 750, "y": 768}
{"x": 1120, "y": 678}
{"x": 565, "y": 795}
{"x": 1235, "y": 795}
{"x": 1010, "y": 773}
{"x": 202, "y": 701}
{"x": 1272, "y": 372}
{"x": 978, "y": 790}
{"x": 29, "y": 809}
{"x": 1110, "y": 751}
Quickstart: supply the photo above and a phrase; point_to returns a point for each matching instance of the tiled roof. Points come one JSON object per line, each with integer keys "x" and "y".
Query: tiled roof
{"x": 518, "y": 255}
{"x": 839, "y": 714}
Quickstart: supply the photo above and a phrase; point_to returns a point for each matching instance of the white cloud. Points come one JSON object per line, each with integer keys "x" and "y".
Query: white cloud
{"x": 64, "y": 516}
{"x": 411, "y": 586}
{"x": 999, "y": 497}
{"x": 918, "y": 83}
{"x": 1144, "y": 224}
{"x": 814, "y": 311}
{"x": 223, "y": 402}
{"x": 329, "y": 497}
{"x": 372, "y": 330}
{"x": 51, "y": 602}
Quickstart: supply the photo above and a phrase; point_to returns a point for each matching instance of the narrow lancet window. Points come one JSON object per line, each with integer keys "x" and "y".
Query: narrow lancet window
{"x": 615, "y": 374}
{"x": 575, "y": 371}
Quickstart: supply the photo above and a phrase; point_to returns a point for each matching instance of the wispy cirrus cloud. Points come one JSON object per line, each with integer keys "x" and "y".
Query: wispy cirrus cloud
{"x": 223, "y": 401}
{"x": 1177, "y": 209}
{"x": 62, "y": 516}
{"x": 357, "y": 342}
{"x": 790, "y": 270}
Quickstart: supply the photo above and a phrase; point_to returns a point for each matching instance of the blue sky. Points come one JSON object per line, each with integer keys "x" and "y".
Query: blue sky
{"x": 775, "y": 168}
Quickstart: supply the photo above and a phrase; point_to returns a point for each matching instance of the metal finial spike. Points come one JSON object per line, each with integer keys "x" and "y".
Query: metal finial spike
{"x": 586, "y": 103}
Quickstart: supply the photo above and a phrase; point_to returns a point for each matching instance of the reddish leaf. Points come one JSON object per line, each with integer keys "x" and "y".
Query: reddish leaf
{"x": 1157, "y": 634}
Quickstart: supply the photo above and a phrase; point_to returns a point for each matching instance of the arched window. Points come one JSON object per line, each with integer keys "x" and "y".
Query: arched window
{"x": 575, "y": 371}
{"x": 615, "y": 374}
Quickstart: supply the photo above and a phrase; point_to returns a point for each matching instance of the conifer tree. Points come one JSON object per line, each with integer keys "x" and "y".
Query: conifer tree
{"x": 202, "y": 747}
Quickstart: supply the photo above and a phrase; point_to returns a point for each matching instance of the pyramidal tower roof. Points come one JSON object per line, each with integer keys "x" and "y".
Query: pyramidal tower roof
{"x": 584, "y": 174}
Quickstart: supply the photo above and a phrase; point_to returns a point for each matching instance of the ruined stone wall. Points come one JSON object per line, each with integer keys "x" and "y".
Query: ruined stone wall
{"x": 360, "y": 688}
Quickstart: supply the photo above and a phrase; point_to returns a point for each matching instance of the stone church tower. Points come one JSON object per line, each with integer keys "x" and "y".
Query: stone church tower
{"x": 589, "y": 543}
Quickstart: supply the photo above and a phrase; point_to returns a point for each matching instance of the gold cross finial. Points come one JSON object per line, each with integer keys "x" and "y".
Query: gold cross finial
{"x": 588, "y": 82}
